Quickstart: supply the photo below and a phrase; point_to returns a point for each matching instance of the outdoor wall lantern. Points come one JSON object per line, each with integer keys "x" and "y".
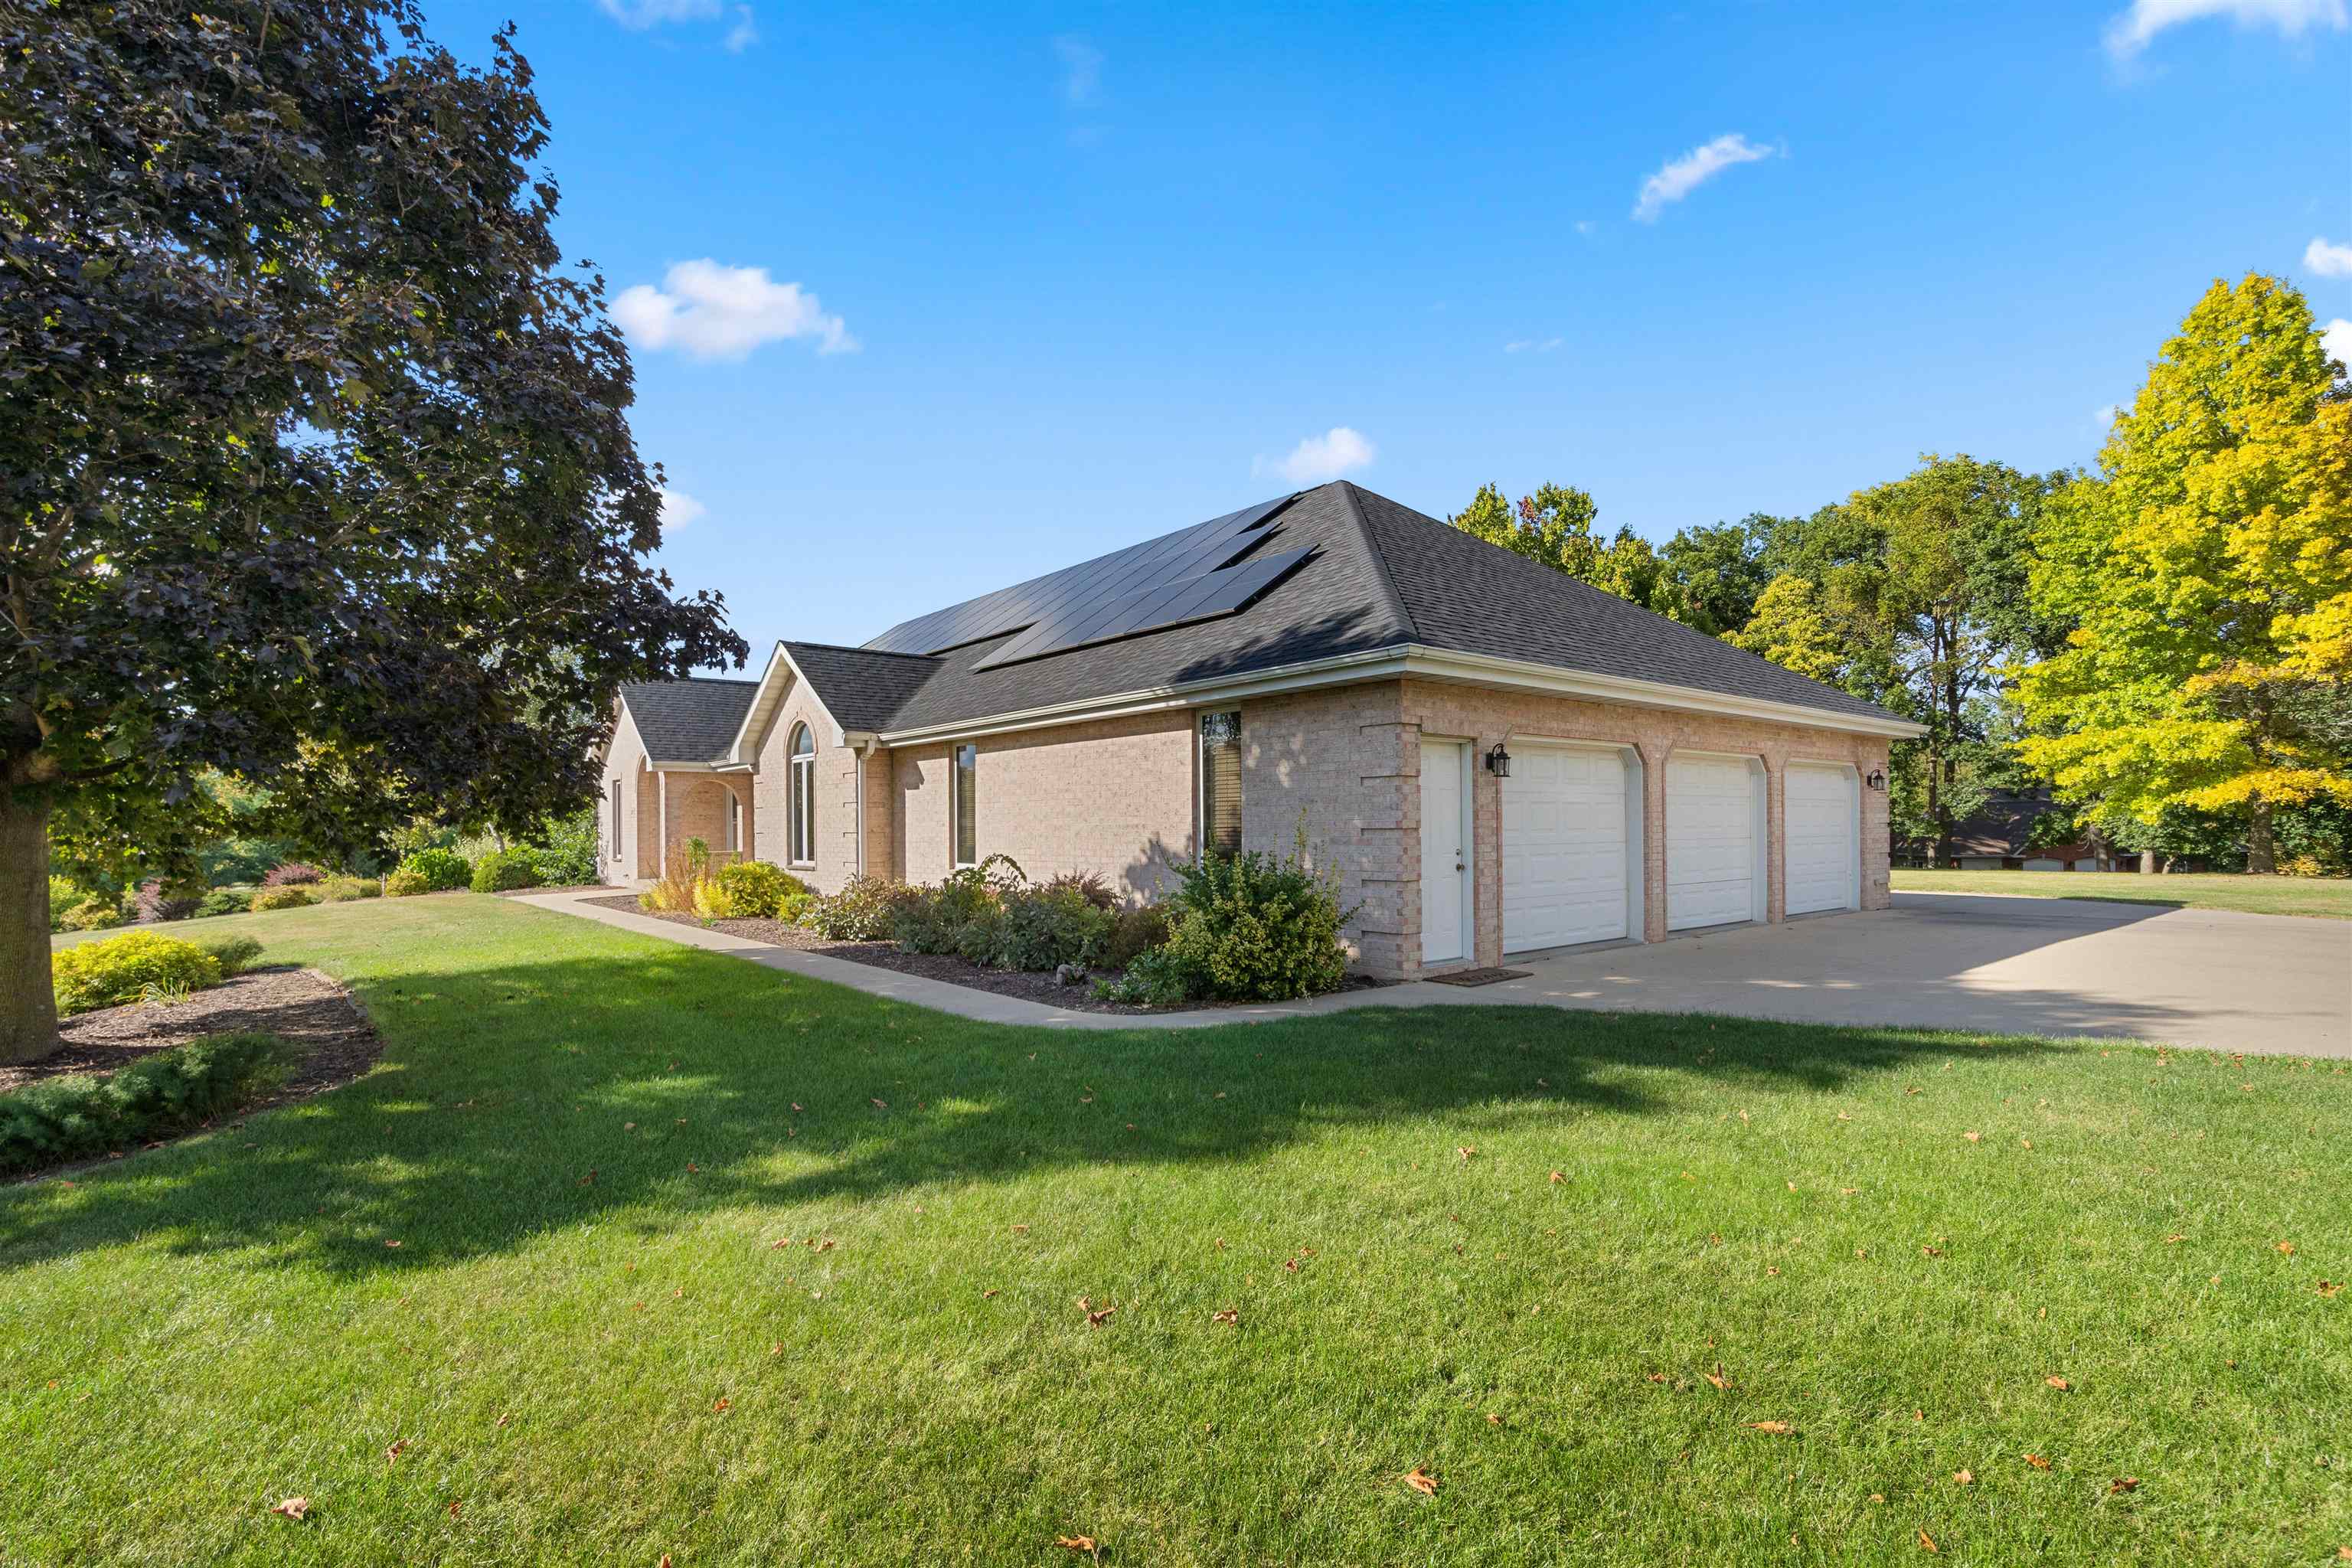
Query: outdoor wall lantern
{"x": 1498, "y": 762}
{"x": 1878, "y": 781}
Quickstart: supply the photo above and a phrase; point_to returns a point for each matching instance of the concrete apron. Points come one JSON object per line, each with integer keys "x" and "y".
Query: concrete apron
{"x": 1991, "y": 965}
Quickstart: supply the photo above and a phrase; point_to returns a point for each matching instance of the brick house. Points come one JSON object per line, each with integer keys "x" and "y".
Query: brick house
{"x": 1494, "y": 758}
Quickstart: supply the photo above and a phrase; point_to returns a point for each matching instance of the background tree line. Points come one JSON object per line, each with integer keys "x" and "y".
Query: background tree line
{"x": 2165, "y": 639}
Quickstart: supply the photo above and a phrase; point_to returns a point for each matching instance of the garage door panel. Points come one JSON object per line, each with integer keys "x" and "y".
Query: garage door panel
{"x": 1823, "y": 839}
{"x": 1564, "y": 850}
{"x": 1712, "y": 864}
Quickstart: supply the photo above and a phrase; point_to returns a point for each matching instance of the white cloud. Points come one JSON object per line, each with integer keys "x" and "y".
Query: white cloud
{"x": 2133, "y": 30}
{"x": 1536, "y": 345}
{"x": 1687, "y": 174}
{"x": 2328, "y": 260}
{"x": 1337, "y": 451}
{"x": 724, "y": 312}
{"x": 679, "y": 509}
{"x": 2337, "y": 340}
{"x": 744, "y": 32}
{"x": 639, "y": 14}
{"x": 1082, "y": 66}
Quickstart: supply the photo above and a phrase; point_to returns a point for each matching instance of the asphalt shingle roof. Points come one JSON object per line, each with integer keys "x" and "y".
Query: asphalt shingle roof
{"x": 687, "y": 721}
{"x": 1380, "y": 575}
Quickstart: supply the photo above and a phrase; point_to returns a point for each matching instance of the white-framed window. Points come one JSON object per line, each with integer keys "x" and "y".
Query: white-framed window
{"x": 964, "y": 806}
{"x": 734, "y": 820}
{"x": 614, "y": 792}
{"x": 1221, "y": 782}
{"x": 801, "y": 808}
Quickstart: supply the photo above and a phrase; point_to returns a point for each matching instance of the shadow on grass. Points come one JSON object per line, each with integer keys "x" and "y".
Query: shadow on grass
{"x": 687, "y": 1081}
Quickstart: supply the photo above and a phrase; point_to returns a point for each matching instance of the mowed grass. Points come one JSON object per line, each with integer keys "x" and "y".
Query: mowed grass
{"x": 2329, "y": 897}
{"x": 592, "y": 1343}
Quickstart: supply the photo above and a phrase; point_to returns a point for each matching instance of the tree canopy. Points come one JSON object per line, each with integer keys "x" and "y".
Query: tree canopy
{"x": 2207, "y": 569}
{"x": 315, "y": 467}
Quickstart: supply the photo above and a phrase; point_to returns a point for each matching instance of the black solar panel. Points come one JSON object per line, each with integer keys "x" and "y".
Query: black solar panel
{"x": 1075, "y": 592}
{"x": 1215, "y": 593}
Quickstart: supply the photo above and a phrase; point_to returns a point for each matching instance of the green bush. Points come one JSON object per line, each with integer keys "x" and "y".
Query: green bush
{"x": 861, "y": 912}
{"x": 502, "y": 872}
{"x": 1153, "y": 979}
{"x": 1255, "y": 928}
{"x": 344, "y": 889}
{"x": 225, "y": 901}
{"x": 95, "y": 912}
{"x": 61, "y": 1118}
{"x": 405, "y": 884}
{"x": 233, "y": 950}
{"x": 288, "y": 896}
{"x": 64, "y": 899}
{"x": 1045, "y": 928}
{"x": 227, "y": 862}
{"x": 748, "y": 889}
{"x": 1134, "y": 931}
{"x": 932, "y": 918}
{"x": 565, "y": 849}
{"x": 116, "y": 969}
{"x": 441, "y": 869}
{"x": 793, "y": 909}
{"x": 1086, "y": 885}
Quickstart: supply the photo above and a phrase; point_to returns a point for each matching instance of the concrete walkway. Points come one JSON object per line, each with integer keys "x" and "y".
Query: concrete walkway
{"x": 2271, "y": 983}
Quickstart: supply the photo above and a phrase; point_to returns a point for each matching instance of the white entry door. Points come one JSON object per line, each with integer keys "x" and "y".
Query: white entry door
{"x": 1444, "y": 851}
{"x": 1824, "y": 836}
{"x": 1715, "y": 864}
{"x": 1565, "y": 857}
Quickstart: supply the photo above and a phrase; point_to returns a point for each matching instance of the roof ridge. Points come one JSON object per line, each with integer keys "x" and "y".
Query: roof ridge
{"x": 697, "y": 680}
{"x": 853, "y": 647}
{"x": 1348, "y": 493}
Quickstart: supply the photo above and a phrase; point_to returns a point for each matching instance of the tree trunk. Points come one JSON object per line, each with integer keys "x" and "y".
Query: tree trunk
{"x": 28, "y": 1007}
{"x": 2262, "y": 849}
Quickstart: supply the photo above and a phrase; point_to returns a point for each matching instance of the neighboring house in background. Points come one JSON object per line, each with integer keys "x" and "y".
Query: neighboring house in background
{"x": 1998, "y": 837}
{"x": 1491, "y": 757}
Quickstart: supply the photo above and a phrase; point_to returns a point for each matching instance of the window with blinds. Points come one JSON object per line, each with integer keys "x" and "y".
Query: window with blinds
{"x": 967, "y": 816}
{"x": 1221, "y": 782}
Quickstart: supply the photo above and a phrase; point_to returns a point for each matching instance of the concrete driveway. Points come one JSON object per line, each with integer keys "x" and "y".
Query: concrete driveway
{"x": 2274, "y": 983}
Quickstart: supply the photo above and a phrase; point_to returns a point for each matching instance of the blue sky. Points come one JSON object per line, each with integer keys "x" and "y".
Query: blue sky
{"x": 966, "y": 294}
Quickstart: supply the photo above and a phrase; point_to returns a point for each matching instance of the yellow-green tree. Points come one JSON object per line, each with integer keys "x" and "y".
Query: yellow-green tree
{"x": 1792, "y": 627}
{"x": 2208, "y": 571}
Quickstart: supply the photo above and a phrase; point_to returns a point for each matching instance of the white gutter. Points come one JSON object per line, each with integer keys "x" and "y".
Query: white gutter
{"x": 1418, "y": 660}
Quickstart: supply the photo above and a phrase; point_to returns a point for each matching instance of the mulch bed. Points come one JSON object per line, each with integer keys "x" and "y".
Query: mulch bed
{"x": 1028, "y": 986}
{"x": 336, "y": 1041}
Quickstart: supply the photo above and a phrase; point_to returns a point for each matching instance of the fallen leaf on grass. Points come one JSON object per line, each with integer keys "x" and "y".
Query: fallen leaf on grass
{"x": 1931, "y": 1252}
{"x": 2060, "y": 1384}
{"x": 1973, "y": 1137}
{"x": 1778, "y": 1428}
{"x": 453, "y": 1506}
{"x": 1226, "y": 1315}
{"x": 2037, "y": 1461}
{"x": 1556, "y": 1177}
{"x": 2329, "y": 1286}
{"x": 1927, "y": 1542}
{"x": 880, "y": 1104}
{"x": 1493, "y": 1419}
{"x": 988, "y": 1295}
{"x": 721, "y": 1407}
{"x": 1467, "y": 1154}
{"x": 392, "y": 1244}
{"x": 292, "y": 1508}
{"x": 393, "y": 1453}
{"x": 2175, "y": 1236}
{"x": 1421, "y": 1481}
{"x": 1716, "y": 1377}
{"x": 1966, "y": 1478}
{"x": 2123, "y": 1484}
{"x": 1657, "y": 1377}
{"x": 2287, "y": 1247}
{"x": 2027, "y": 1141}
{"x": 1075, "y": 1543}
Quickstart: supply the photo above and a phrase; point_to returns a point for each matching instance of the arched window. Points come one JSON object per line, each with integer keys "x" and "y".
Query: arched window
{"x": 801, "y": 807}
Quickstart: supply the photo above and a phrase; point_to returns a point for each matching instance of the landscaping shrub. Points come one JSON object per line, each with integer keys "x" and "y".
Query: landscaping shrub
{"x": 64, "y": 899}
{"x": 281, "y": 898}
{"x": 932, "y": 918}
{"x": 234, "y": 952}
{"x": 1154, "y": 978}
{"x": 566, "y": 850}
{"x": 406, "y": 884}
{"x": 227, "y": 862}
{"x": 748, "y": 889}
{"x": 291, "y": 874}
{"x": 861, "y": 912}
{"x": 502, "y": 872}
{"x": 793, "y": 909}
{"x": 61, "y": 1118}
{"x": 95, "y": 912}
{"x": 225, "y": 901}
{"x": 1087, "y": 885}
{"x": 1254, "y": 927}
{"x": 1134, "y": 931}
{"x": 342, "y": 890}
{"x": 1045, "y": 928}
{"x": 154, "y": 902}
{"x": 115, "y": 969}
{"x": 439, "y": 869}
{"x": 673, "y": 895}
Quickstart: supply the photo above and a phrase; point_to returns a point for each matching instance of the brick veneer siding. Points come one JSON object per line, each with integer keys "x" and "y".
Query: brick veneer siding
{"x": 624, "y": 765}
{"x": 836, "y": 795}
{"x": 1114, "y": 797}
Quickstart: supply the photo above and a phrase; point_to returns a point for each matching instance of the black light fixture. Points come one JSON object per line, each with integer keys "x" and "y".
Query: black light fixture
{"x": 1498, "y": 762}
{"x": 1878, "y": 781}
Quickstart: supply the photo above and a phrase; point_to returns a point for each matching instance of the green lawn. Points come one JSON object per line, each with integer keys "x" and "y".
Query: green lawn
{"x": 2327, "y": 896}
{"x": 588, "y": 1146}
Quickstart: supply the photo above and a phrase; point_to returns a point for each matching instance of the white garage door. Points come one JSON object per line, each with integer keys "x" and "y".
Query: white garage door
{"x": 1713, "y": 869}
{"x": 1824, "y": 839}
{"x": 1564, "y": 855}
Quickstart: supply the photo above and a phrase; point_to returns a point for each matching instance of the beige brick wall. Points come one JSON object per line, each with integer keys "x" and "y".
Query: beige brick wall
{"x": 625, "y": 762}
{"x": 836, "y": 795}
{"x": 1114, "y": 797}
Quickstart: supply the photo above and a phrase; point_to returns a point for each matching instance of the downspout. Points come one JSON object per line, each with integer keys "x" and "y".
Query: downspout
{"x": 866, "y": 743}
{"x": 661, "y": 825}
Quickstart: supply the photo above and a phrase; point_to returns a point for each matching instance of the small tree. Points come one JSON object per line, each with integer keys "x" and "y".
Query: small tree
{"x": 1554, "y": 526}
{"x": 314, "y": 468}
{"x": 2208, "y": 568}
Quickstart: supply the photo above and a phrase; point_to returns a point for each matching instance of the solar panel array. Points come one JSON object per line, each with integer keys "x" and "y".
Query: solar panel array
{"x": 1069, "y": 598}
{"x": 1204, "y": 596}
